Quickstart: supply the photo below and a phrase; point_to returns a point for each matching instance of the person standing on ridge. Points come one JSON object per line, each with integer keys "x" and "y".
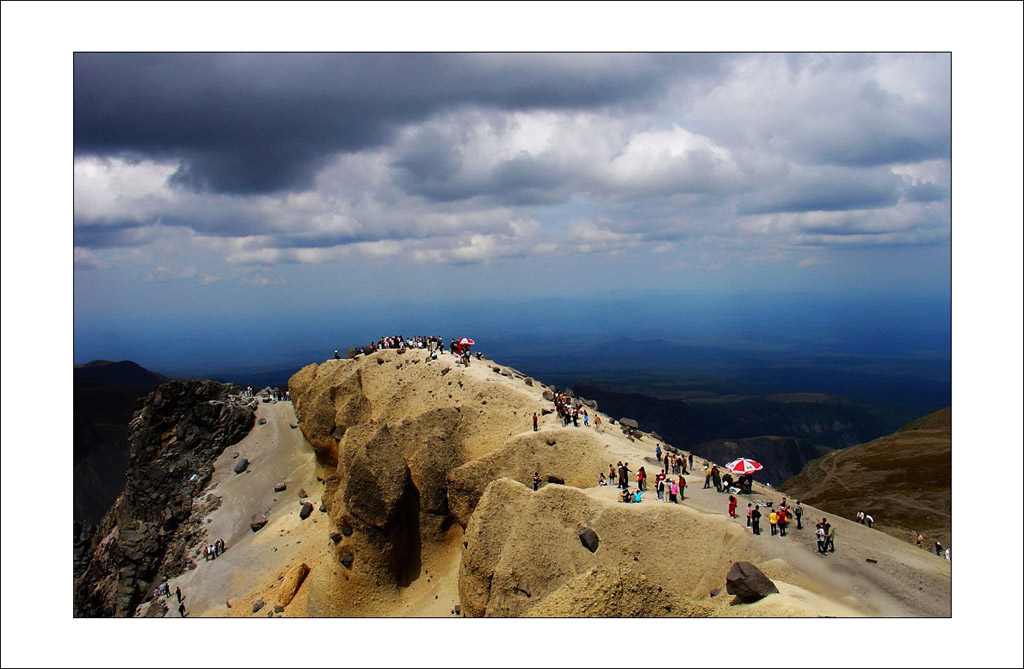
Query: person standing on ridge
{"x": 707, "y": 476}
{"x": 732, "y": 506}
{"x": 657, "y": 452}
{"x": 773, "y": 521}
{"x": 799, "y": 513}
{"x": 534, "y": 421}
{"x": 716, "y": 478}
{"x": 536, "y": 481}
{"x": 750, "y": 508}
{"x": 755, "y": 520}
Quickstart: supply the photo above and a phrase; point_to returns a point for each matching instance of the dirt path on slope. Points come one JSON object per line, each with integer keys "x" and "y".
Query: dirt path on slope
{"x": 277, "y": 454}
{"x": 905, "y": 581}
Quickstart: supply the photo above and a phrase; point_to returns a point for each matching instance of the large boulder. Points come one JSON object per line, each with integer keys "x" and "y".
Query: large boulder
{"x": 258, "y": 521}
{"x": 748, "y": 583}
{"x": 588, "y": 538}
{"x": 306, "y": 511}
{"x": 242, "y": 465}
{"x": 292, "y": 582}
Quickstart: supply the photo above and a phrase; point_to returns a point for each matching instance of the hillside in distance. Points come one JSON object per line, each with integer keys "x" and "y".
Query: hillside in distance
{"x": 105, "y": 394}
{"x": 903, "y": 480}
{"x": 782, "y": 457}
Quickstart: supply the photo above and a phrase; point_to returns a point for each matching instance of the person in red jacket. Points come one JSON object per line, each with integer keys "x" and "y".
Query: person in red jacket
{"x": 732, "y": 506}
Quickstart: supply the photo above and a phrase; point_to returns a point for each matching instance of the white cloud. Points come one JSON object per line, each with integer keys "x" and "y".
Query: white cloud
{"x": 86, "y": 260}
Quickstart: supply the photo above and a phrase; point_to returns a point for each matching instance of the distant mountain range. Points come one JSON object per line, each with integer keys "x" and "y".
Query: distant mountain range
{"x": 786, "y": 431}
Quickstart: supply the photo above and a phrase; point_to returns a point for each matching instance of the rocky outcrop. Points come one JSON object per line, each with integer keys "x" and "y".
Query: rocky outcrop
{"x": 174, "y": 438}
{"x": 328, "y": 399}
{"x": 532, "y": 554}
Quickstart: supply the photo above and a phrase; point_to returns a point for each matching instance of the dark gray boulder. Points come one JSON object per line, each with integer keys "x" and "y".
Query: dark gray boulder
{"x": 588, "y": 538}
{"x": 307, "y": 509}
{"x": 242, "y": 465}
{"x": 257, "y": 605}
{"x": 346, "y": 560}
{"x": 280, "y": 487}
{"x": 748, "y": 583}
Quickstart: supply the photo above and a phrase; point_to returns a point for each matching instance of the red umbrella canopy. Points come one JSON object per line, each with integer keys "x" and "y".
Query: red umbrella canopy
{"x": 744, "y": 466}
{"x": 466, "y": 341}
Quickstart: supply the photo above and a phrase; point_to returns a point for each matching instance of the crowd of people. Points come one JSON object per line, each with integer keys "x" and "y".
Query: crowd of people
{"x": 429, "y": 342}
{"x": 434, "y": 344}
{"x": 570, "y": 410}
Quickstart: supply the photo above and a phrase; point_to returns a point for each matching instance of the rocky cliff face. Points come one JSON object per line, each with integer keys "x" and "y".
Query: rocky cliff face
{"x": 174, "y": 438}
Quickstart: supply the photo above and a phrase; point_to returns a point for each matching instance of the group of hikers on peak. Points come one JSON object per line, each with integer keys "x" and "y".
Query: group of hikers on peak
{"x": 570, "y": 410}
{"x": 434, "y": 344}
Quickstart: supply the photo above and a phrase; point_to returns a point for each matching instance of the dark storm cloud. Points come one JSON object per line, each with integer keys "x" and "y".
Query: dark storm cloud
{"x": 112, "y": 234}
{"x": 260, "y": 123}
{"x": 827, "y": 189}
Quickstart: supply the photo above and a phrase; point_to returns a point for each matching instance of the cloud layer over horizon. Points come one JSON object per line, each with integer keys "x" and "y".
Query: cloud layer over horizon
{"x": 215, "y": 166}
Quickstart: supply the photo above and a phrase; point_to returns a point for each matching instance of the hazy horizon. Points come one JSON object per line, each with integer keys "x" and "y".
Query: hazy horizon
{"x": 237, "y": 210}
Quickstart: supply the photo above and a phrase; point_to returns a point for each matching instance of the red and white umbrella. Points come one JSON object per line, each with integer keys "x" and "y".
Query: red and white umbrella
{"x": 744, "y": 466}
{"x": 466, "y": 341}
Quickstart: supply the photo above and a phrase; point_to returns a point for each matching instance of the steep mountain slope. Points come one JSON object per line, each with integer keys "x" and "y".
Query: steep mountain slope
{"x": 903, "y": 480}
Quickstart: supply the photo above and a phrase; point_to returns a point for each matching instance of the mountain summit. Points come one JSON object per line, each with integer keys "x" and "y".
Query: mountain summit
{"x": 402, "y": 484}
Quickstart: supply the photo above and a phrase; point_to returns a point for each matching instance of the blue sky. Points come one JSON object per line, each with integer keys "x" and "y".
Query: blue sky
{"x": 216, "y": 186}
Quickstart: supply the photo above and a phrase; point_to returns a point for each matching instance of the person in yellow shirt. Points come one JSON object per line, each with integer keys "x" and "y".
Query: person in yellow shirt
{"x": 773, "y": 520}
